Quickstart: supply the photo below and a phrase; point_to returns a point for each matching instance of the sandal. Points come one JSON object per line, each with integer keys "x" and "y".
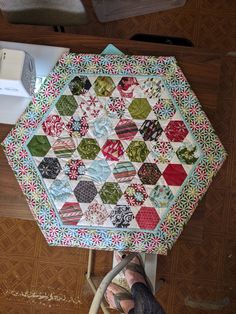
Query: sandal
{"x": 138, "y": 268}
{"x": 120, "y": 296}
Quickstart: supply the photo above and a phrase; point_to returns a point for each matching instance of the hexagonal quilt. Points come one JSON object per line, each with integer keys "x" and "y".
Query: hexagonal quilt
{"x": 114, "y": 152}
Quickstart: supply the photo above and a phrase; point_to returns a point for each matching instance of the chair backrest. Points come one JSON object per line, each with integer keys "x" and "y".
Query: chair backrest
{"x": 44, "y": 12}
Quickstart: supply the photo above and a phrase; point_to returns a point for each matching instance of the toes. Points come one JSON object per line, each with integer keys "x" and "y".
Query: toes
{"x": 118, "y": 257}
{"x": 110, "y": 298}
{"x": 114, "y": 288}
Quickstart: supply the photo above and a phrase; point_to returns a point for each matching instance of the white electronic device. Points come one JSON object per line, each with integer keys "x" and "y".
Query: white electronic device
{"x": 17, "y": 73}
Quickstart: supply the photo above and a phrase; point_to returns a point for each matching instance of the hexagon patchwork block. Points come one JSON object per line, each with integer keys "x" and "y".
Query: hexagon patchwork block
{"x": 39, "y": 145}
{"x": 60, "y": 190}
{"x": 74, "y": 169}
{"x": 150, "y": 130}
{"x": 77, "y": 126}
{"x": 49, "y": 168}
{"x": 70, "y": 213}
{"x": 113, "y": 150}
{"x": 110, "y": 193}
{"x": 149, "y": 173}
{"x": 147, "y": 218}
{"x": 53, "y": 125}
{"x": 161, "y": 196}
{"x": 96, "y": 214}
{"x": 137, "y": 151}
{"x": 115, "y": 107}
{"x": 187, "y": 154}
{"x": 121, "y": 216}
{"x": 152, "y": 87}
{"x": 64, "y": 147}
{"x": 99, "y": 171}
{"x": 126, "y": 129}
{"x": 85, "y": 191}
{"x": 174, "y": 174}
{"x": 164, "y": 109}
{"x": 162, "y": 152}
{"x": 91, "y": 106}
{"x": 176, "y": 131}
{"x": 104, "y": 86}
{"x": 139, "y": 108}
{"x": 79, "y": 85}
{"x": 66, "y": 105}
{"x": 135, "y": 194}
{"x": 102, "y": 127}
{"x": 124, "y": 171}
{"x": 88, "y": 148}
{"x": 126, "y": 86}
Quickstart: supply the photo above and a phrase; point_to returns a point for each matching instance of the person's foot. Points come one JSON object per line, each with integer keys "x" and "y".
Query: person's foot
{"x": 114, "y": 291}
{"x": 130, "y": 275}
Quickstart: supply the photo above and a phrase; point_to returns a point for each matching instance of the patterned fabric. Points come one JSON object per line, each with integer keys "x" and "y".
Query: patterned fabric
{"x": 150, "y": 130}
{"x": 104, "y": 86}
{"x": 53, "y": 125}
{"x": 64, "y": 147}
{"x": 88, "y": 148}
{"x": 174, "y": 174}
{"x": 147, "y": 218}
{"x": 126, "y": 86}
{"x": 164, "y": 109}
{"x": 121, "y": 216}
{"x": 137, "y": 151}
{"x": 110, "y": 193}
{"x": 187, "y": 154}
{"x": 124, "y": 171}
{"x": 139, "y": 108}
{"x": 161, "y": 196}
{"x": 71, "y": 213}
{"x": 39, "y": 146}
{"x": 176, "y": 131}
{"x": 66, "y": 105}
{"x": 126, "y": 129}
{"x": 85, "y": 191}
{"x": 49, "y": 168}
{"x": 152, "y": 87}
{"x": 79, "y": 85}
{"x": 115, "y": 107}
{"x": 162, "y": 152}
{"x": 102, "y": 127}
{"x": 113, "y": 150}
{"x": 91, "y": 106}
{"x": 77, "y": 126}
{"x": 74, "y": 168}
{"x": 96, "y": 214}
{"x": 135, "y": 194}
{"x": 149, "y": 153}
{"x": 149, "y": 173}
{"x": 60, "y": 190}
{"x": 99, "y": 170}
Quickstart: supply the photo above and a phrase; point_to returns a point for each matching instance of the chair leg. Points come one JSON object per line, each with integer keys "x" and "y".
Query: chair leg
{"x": 90, "y": 281}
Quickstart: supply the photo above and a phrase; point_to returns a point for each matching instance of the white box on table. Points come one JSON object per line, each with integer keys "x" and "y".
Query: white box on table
{"x": 17, "y": 73}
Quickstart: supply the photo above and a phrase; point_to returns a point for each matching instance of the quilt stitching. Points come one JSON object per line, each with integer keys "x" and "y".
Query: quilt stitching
{"x": 61, "y": 137}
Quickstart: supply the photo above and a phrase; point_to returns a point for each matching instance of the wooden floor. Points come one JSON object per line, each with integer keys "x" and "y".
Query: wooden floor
{"x": 36, "y": 279}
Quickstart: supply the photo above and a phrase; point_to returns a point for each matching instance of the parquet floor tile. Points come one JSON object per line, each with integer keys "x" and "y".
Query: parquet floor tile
{"x": 25, "y": 233}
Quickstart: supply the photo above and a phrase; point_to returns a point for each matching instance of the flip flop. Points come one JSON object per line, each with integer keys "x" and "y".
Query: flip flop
{"x": 120, "y": 296}
{"x": 138, "y": 268}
